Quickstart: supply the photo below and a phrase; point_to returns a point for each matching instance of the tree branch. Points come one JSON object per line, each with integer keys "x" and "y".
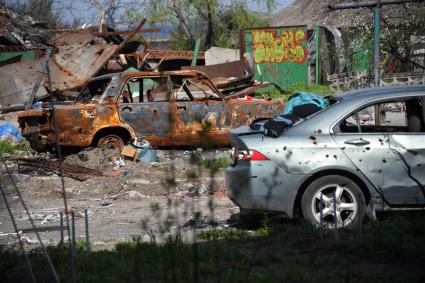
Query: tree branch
{"x": 176, "y": 8}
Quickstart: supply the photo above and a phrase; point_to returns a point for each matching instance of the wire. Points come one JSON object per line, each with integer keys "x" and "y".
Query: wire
{"x": 46, "y": 254}
{"x": 17, "y": 234}
{"x": 59, "y": 152}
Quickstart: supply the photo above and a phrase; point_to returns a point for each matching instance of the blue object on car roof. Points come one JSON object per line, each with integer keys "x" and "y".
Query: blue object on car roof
{"x": 302, "y": 98}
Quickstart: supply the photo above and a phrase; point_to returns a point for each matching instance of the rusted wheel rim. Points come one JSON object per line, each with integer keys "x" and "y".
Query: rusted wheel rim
{"x": 111, "y": 141}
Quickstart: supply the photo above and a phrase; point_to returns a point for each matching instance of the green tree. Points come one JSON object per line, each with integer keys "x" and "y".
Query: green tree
{"x": 215, "y": 22}
{"x": 402, "y": 33}
{"x": 40, "y": 10}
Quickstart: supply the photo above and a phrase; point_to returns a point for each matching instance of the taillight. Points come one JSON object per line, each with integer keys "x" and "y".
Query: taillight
{"x": 254, "y": 155}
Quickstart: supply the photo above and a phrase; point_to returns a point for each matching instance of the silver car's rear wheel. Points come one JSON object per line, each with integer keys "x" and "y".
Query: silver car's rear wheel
{"x": 350, "y": 202}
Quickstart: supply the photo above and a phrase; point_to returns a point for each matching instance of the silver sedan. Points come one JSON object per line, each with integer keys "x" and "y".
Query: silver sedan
{"x": 362, "y": 154}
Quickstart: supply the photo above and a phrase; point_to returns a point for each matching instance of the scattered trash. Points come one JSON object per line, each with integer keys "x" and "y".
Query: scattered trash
{"x": 73, "y": 171}
{"x": 136, "y": 195}
{"x": 118, "y": 164}
{"x": 221, "y": 193}
{"x": 10, "y": 133}
{"x": 54, "y": 217}
{"x": 106, "y": 202}
{"x": 129, "y": 151}
{"x": 89, "y": 213}
{"x": 201, "y": 223}
{"x": 29, "y": 241}
{"x": 147, "y": 153}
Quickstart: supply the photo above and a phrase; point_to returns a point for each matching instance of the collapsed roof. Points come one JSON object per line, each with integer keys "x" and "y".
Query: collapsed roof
{"x": 315, "y": 13}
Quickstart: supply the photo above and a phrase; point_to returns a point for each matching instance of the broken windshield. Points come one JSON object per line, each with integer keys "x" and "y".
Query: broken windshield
{"x": 93, "y": 90}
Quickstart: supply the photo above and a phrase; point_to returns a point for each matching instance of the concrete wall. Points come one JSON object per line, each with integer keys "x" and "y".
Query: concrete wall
{"x": 218, "y": 55}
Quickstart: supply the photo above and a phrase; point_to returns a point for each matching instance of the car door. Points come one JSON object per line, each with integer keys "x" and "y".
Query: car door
{"x": 202, "y": 116}
{"x": 410, "y": 145}
{"x": 144, "y": 103}
{"x": 365, "y": 138}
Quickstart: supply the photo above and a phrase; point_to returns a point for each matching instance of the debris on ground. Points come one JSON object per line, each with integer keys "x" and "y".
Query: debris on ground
{"x": 73, "y": 171}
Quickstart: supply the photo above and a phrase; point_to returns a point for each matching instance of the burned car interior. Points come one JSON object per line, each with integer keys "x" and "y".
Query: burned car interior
{"x": 159, "y": 89}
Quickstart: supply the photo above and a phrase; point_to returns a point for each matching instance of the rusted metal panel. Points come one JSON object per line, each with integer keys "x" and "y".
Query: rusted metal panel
{"x": 79, "y": 57}
{"x": 148, "y": 119}
{"x": 174, "y": 54}
{"x": 236, "y": 69}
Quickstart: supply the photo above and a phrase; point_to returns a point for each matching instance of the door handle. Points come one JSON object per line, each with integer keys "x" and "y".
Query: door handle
{"x": 181, "y": 107}
{"x": 357, "y": 142}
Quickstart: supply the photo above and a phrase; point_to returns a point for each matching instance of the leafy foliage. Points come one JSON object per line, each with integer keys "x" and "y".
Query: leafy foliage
{"x": 41, "y": 10}
{"x": 401, "y": 32}
{"x": 216, "y": 22}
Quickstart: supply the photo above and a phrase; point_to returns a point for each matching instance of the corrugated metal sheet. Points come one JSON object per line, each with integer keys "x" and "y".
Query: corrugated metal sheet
{"x": 78, "y": 57}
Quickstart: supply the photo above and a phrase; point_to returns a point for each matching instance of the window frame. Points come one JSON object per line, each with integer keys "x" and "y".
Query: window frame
{"x": 125, "y": 86}
{"x": 335, "y": 128}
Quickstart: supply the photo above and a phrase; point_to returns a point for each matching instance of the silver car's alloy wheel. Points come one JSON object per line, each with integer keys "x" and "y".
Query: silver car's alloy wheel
{"x": 346, "y": 206}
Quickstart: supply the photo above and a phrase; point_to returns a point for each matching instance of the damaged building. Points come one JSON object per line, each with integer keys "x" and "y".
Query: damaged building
{"x": 345, "y": 43}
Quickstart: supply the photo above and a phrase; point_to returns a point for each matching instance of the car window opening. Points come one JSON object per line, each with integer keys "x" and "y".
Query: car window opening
{"x": 93, "y": 90}
{"x": 141, "y": 90}
{"x": 389, "y": 116}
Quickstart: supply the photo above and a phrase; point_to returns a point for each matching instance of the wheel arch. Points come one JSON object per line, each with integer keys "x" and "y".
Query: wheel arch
{"x": 122, "y": 132}
{"x": 356, "y": 179}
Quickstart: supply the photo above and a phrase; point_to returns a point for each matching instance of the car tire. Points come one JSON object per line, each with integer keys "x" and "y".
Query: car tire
{"x": 350, "y": 202}
{"x": 111, "y": 141}
{"x": 37, "y": 145}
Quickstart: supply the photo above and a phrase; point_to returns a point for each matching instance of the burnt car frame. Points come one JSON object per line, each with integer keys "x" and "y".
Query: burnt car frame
{"x": 175, "y": 108}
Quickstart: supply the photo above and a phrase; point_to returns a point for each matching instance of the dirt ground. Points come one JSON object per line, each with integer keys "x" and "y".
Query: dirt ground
{"x": 146, "y": 201}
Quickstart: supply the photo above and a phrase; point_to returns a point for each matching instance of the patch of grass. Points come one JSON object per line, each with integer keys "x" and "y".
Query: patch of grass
{"x": 317, "y": 89}
{"x": 391, "y": 234}
{"x": 13, "y": 148}
{"x": 266, "y": 229}
{"x": 191, "y": 175}
{"x": 274, "y": 93}
{"x": 215, "y": 164}
{"x": 173, "y": 261}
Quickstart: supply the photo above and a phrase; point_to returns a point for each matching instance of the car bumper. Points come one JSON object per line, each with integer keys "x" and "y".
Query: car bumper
{"x": 261, "y": 185}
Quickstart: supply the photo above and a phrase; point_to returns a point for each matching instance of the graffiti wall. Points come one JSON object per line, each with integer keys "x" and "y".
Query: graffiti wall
{"x": 280, "y": 52}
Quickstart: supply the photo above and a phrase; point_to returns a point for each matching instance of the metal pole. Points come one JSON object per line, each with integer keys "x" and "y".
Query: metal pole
{"x": 40, "y": 78}
{"x": 321, "y": 216}
{"x": 366, "y": 4}
{"x": 376, "y": 33}
{"x": 86, "y": 217}
{"x": 61, "y": 224}
{"x": 73, "y": 252}
{"x": 195, "y": 52}
{"x": 21, "y": 245}
{"x": 359, "y": 231}
{"x": 317, "y": 53}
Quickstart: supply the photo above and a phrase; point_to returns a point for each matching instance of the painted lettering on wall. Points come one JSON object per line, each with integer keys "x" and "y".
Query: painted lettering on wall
{"x": 271, "y": 47}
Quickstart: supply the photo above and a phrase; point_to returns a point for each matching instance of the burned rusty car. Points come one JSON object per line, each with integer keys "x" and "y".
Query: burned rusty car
{"x": 175, "y": 108}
